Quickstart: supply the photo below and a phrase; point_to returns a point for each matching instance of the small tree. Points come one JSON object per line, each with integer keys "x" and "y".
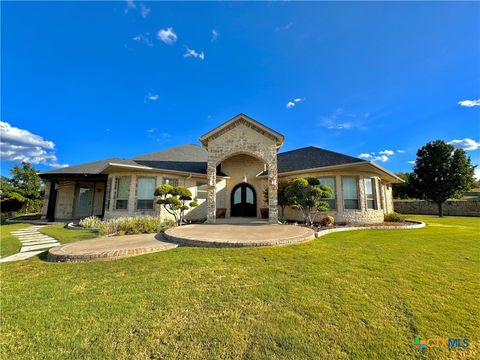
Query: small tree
{"x": 306, "y": 195}
{"x": 175, "y": 200}
{"x": 441, "y": 172}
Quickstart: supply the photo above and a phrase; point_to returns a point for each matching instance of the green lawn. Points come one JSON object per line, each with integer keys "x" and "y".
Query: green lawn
{"x": 9, "y": 244}
{"x": 348, "y": 295}
{"x": 65, "y": 236}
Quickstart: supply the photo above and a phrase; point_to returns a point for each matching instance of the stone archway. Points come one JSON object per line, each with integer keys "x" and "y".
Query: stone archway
{"x": 242, "y": 135}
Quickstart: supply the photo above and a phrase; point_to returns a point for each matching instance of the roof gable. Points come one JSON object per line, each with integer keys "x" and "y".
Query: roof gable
{"x": 242, "y": 119}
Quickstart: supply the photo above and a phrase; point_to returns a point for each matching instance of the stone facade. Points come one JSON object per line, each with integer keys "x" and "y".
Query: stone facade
{"x": 241, "y": 137}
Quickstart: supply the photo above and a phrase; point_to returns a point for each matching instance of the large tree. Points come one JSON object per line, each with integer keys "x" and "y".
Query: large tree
{"x": 441, "y": 172}
{"x": 306, "y": 195}
{"x": 24, "y": 189}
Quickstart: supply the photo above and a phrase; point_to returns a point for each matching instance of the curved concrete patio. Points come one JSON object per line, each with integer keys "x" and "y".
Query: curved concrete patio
{"x": 112, "y": 247}
{"x": 238, "y": 235}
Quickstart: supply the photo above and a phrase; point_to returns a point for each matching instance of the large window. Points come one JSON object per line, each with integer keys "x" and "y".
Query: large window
{"x": 370, "y": 193}
{"x": 122, "y": 187}
{"x": 201, "y": 190}
{"x": 350, "y": 192}
{"x": 145, "y": 190}
{"x": 170, "y": 181}
{"x": 330, "y": 182}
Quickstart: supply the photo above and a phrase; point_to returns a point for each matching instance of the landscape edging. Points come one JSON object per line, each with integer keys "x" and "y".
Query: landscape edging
{"x": 414, "y": 225}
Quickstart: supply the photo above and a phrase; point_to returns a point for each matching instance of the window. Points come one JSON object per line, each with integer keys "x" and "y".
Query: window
{"x": 350, "y": 192}
{"x": 330, "y": 182}
{"x": 201, "y": 190}
{"x": 145, "y": 190}
{"x": 170, "y": 181}
{"x": 370, "y": 193}
{"x": 122, "y": 192}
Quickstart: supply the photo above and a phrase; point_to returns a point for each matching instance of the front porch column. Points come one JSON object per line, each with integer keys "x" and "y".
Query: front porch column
{"x": 272, "y": 192}
{"x": 211, "y": 193}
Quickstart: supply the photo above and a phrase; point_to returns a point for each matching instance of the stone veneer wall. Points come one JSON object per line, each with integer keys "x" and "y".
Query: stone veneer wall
{"x": 350, "y": 216}
{"x": 242, "y": 137}
{"x": 450, "y": 207}
{"x": 198, "y": 213}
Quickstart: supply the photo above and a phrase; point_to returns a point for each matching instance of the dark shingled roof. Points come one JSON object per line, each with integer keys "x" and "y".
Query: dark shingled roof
{"x": 312, "y": 157}
{"x": 193, "y": 158}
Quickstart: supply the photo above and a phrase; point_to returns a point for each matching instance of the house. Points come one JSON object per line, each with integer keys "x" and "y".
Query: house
{"x": 228, "y": 175}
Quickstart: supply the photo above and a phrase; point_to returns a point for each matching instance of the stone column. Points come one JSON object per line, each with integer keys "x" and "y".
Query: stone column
{"x": 132, "y": 196}
{"x": 211, "y": 192}
{"x": 339, "y": 194}
{"x": 272, "y": 192}
{"x": 361, "y": 194}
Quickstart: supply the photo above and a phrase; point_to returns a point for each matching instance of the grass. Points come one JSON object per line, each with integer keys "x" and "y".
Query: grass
{"x": 10, "y": 244}
{"x": 65, "y": 236}
{"x": 362, "y": 295}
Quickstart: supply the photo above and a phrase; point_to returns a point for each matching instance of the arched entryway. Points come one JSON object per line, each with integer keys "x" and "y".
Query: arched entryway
{"x": 243, "y": 201}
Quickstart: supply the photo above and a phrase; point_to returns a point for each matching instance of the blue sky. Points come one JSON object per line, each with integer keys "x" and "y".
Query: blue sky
{"x": 92, "y": 80}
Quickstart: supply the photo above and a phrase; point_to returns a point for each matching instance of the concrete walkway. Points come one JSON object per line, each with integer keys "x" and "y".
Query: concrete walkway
{"x": 239, "y": 235}
{"x": 33, "y": 243}
{"x": 112, "y": 247}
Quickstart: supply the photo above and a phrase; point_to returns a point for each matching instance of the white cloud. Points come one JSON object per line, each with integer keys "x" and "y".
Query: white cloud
{"x": 144, "y": 10}
{"x": 465, "y": 144}
{"x": 365, "y": 156}
{"x": 285, "y": 27}
{"x": 411, "y": 162}
{"x": 167, "y": 35}
{"x": 382, "y": 156}
{"x": 152, "y": 130}
{"x": 341, "y": 120}
{"x": 293, "y": 103}
{"x": 144, "y": 38}
{"x": 400, "y": 151}
{"x": 19, "y": 145}
{"x": 215, "y": 35}
{"x": 151, "y": 97}
{"x": 469, "y": 103}
{"x": 476, "y": 173}
{"x": 193, "y": 53}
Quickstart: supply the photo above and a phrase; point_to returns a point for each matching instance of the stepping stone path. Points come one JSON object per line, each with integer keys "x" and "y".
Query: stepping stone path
{"x": 33, "y": 243}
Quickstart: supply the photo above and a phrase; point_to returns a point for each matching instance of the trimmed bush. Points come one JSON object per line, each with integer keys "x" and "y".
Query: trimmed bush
{"x": 393, "y": 217}
{"x": 128, "y": 225}
{"x": 327, "y": 221}
{"x": 91, "y": 222}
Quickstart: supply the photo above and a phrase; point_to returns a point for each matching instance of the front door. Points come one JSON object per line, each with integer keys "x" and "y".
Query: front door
{"x": 84, "y": 205}
{"x": 244, "y": 201}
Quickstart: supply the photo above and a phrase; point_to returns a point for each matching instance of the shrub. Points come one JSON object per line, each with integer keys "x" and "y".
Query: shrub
{"x": 327, "y": 221}
{"x": 91, "y": 222}
{"x": 134, "y": 225}
{"x": 393, "y": 217}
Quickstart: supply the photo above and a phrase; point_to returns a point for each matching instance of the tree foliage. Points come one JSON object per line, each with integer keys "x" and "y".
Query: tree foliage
{"x": 23, "y": 191}
{"x": 175, "y": 200}
{"x": 306, "y": 194}
{"x": 403, "y": 190}
{"x": 441, "y": 172}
